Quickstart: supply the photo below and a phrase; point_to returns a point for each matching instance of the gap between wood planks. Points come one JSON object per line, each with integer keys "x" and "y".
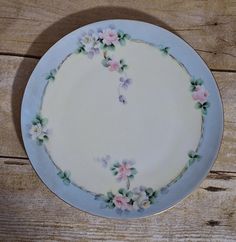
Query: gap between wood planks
{"x": 39, "y": 57}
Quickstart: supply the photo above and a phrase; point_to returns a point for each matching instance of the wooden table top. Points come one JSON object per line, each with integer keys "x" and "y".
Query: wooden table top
{"x": 28, "y": 210}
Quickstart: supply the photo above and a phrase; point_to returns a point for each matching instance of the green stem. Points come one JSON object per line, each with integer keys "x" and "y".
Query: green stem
{"x": 128, "y": 184}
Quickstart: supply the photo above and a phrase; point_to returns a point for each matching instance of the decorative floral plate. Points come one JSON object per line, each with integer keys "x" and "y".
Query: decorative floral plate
{"x": 122, "y": 119}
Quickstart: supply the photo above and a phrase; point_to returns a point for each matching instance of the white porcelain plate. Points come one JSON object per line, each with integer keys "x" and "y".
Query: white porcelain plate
{"x": 122, "y": 119}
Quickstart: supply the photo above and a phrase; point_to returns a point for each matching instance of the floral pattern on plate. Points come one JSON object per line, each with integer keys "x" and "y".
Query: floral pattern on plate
{"x": 38, "y": 130}
{"x": 125, "y": 200}
{"x": 137, "y": 198}
{"x": 92, "y": 43}
{"x": 200, "y": 94}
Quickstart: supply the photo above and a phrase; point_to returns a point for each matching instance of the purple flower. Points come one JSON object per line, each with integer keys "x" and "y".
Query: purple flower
{"x": 125, "y": 82}
{"x": 90, "y": 43}
{"x": 122, "y": 99}
{"x": 104, "y": 160}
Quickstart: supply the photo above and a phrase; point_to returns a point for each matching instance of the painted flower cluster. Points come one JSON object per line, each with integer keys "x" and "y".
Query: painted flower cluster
{"x": 126, "y": 199}
{"x": 200, "y": 94}
{"x": 106, "y": 40}
{"x": 137, "y": 199}
{"x": 114, "y": 65}
{"x": 39, "y": 130}
{"x": 123, "y": 170}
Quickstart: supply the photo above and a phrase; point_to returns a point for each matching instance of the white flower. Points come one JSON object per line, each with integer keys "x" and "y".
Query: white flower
{"x": 37, "y": 131}
{"x": 90, "y": 42}
{"x": 140, "y": 199}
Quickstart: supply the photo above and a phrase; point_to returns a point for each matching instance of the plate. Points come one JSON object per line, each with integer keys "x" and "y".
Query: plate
{"x": 121, "y": 119}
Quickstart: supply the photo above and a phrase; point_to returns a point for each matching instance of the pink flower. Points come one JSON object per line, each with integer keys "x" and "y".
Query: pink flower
{"x": 122, "y": 202}
{"x": 109, "y": 36}
{"x": 124, "y": 171}
{"x": 113, "y": 65}
{"x": 200, "y": 94}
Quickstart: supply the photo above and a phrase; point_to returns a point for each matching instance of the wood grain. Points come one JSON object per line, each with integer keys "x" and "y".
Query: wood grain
{"x": 29, "y": 28}
{"x": 29, "y": 208}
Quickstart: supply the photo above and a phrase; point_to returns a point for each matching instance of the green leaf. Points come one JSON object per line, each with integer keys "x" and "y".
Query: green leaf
{"x": 115, "y": 172}
{"x": 191, "y": 154}
{"x": 122, "y": 191}
{"x": 111, "y": 205}
{"x": 199, "y": 81}
{"x": 103, "y": 46}
{"x": 152, "y": 200}
{"x": 149, "y": 191}
{"x": 122, "y": 61}
{"x": 191, "y": 161}
{"x": 129, "y": 194}
{"x": 116, "y": 164}
{"x": 122, "y": 42}
{"x": 104, "y": 62}
{"x": 34, "y": 122}
{"x": 133, "y": 171}
{"x": 198, "y": 105}
{"x": 51, "y": 75}
{"x": 197, "y": 157}
{"x": 66, "y": 181}
{"x": 39, "y": 141}
{"x": 124, "y": 66}
{"x": 38, "y": 118}
{"x": 121, "y": 34}
{"x": 102, "y": 197}
{"x": 165, "y": 50}
{"x": 185, "y": 169}
{"x": 120, "y": 70}
{"x": 80, "y": 50}
{"x": 44, "y": 121}
{"x": 192, "y": 88}
{"x": 67, "y": 174}
{"x": 60, "y": 174}
{"x": 155, "y": 193}
{"x": 111, "y": 47}
{"x": 45, "y": 137}
{"x": 131, "y": 176}
{"x": 204, "y": 111}
{"x": 127, "y": 36}
{"x": 110, "y": 195}
{"x": 206, "y": 104}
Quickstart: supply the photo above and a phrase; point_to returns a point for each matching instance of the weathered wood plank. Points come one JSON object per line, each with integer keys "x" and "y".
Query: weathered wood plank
{"x": 31, "y": 27}
{"x": 14, "y": 74}
{"x": 30, "y": 211}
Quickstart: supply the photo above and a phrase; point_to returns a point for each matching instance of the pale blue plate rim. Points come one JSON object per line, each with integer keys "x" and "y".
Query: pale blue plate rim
{"x": 184, "y": 53}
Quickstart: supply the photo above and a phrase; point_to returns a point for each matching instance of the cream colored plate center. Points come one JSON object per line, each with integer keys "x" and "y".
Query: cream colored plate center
{"x": 156, "y": 128}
